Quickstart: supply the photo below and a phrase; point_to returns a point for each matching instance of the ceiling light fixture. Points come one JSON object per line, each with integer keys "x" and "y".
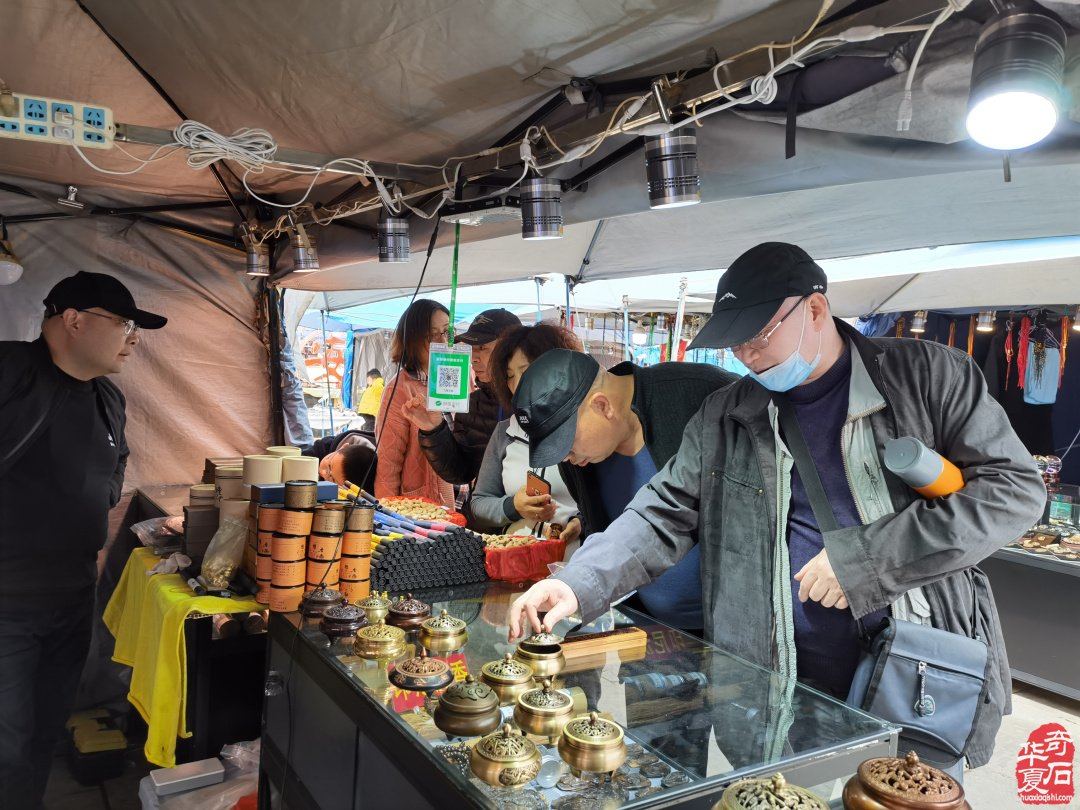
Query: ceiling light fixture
{"x": 918, "y": 322}
{"x": 1016, "y": 80}
{"x": 541, "y": 208}
{"x": 985, "y": 322}
{"x": 393, "y": 239}
{"x": 11, "y": 268}
{"x": 672, "y": 168}
{"x": 305, "y": 254}
{"x": 1076, "y": 320}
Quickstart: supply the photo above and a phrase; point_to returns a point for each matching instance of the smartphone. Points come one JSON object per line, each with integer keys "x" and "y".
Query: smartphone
{"x": 536, "y": 484}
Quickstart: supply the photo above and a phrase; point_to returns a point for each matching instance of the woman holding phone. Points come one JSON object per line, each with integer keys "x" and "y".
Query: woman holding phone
{"x": 511, "y": 497}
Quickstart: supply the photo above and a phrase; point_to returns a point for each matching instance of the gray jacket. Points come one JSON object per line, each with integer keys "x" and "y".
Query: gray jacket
{"x": 728, "y": 488}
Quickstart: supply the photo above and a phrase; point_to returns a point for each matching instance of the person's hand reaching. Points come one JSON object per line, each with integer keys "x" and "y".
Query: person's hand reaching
{"x": 550, "y": 596}
{"x": 415, "y": 410}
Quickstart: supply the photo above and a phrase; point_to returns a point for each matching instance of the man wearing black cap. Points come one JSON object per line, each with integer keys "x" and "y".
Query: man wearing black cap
{"x": 456, "y": 454}
{"x": 777, "y": 590}
{"x": 609, "y": 432}
{"x": 62, "y": 460}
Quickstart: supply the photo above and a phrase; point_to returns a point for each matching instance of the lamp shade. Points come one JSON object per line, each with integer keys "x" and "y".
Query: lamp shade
{"x": 393, "y": 239}
{"x": 918, "y": 322}
{"x": 258, "y": 260}
{"x": 672, "y": 168}
{"x": 1016, "y": 80}
{"x": 985, "y": 321}
{"x": 541, "y": 209}
{"x": 305, "y": 255}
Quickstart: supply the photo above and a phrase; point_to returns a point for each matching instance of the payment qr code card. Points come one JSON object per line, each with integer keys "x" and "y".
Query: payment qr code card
{"x": 449, "y": 370}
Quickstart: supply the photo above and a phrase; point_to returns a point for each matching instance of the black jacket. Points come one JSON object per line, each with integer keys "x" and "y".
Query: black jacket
{"x": 31, "y": 393}
{"x": 665, "y": 397}
{"x": 455, "y": 454}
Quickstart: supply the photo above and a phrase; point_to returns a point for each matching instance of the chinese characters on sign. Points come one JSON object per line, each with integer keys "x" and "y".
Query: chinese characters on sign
{"x": 1044, "y": 766}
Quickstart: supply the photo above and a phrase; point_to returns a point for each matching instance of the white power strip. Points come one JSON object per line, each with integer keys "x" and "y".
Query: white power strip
{"x": 51, "y": 120}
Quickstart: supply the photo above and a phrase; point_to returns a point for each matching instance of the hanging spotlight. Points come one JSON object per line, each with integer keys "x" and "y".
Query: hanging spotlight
{"x": 672, "y": 168}
{"x": 1016, "y": 80}
{"x": 918, "y": 322}
{"x": 393, "y": 238}
{"x": 11, "y": 268}
{"x": 541, "y": 209}
{"x": 985, "y": 322}
{"x": 661, "y": 323}
{"x": 258, "y": 260}
{"x": 305, "y": 254}
{"x": 1076, "y": 320}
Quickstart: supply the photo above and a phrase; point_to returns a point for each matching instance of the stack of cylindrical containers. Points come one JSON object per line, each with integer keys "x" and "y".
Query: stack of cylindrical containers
{"x": 356, "y": 553}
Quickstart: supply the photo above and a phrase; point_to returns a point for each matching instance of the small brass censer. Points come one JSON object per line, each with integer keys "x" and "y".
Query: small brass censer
{"x": 505, "y": 759}
{"x": 508, "y": 677}
{"x": 543, "y": 711}
{"x": 379, "y": 641}
{"x": 891, "y": 783}
{"x": 376, "y": 606}
{"x": 422, "y": 674}
{"x": 443, "y": 633}
{"x": 342, "y": 620}
{"x": 592, "y": 744}
{"x": 408, "y": 613}
{"x": 468, "y": 708}
{"x": 543, "y": 652}
{"x": 750, "y": 794}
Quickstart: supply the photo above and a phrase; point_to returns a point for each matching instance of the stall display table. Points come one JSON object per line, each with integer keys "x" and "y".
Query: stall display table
{"x": 1036, "y": 597}
{"x": 179, "y": 672}
{"x": 336, "y": 734}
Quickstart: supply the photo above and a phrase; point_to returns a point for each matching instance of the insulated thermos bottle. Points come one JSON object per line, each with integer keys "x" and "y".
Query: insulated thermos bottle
{"x": 927, "y": 472}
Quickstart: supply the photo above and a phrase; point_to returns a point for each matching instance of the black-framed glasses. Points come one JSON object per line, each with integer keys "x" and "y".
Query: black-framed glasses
{"x": 128, "y": 324}
{"x": 760, "y": 341}
{"x": 439, "y": 335}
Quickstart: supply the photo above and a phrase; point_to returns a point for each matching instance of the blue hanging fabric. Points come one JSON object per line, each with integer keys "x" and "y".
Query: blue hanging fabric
{"x": 1041, "y": 375}
{"x": 347, "y": 374}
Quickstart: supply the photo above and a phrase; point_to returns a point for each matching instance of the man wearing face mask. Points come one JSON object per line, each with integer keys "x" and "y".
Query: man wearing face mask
{"x": 776, "y": 590}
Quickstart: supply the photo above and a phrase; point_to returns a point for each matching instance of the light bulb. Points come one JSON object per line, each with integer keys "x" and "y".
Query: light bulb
{"x": 985, "y": 322}
{"x": 639, "y": 337}
{"x": 918, "y": 322}
{"x": 1009, "y": 121}
{"x": 11, "y": 268}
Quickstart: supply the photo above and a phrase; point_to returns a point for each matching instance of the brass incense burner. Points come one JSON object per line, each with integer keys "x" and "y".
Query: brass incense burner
{"x": 408, "y": 613}
{"x": 379, "y": 641}
{"x": 468, "y": 708}
{"x": 342, "y": 620}
{"x": 443, "y": 633}
{"x": 891, "y": 783}
{"x": 592, "y": 744}
{"x": 543, "y": 652}
{"x": 375, "y": 606}
{"x": 505, "y": 759}
{"x": 422, "y": 674}
{"x": 315, "y": 603}
{"x": 509, "y": 678}
{"x": 543, "y": 711}
{"x": 749, "y": 794}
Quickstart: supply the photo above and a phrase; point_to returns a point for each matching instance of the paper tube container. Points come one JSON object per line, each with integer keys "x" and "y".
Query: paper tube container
{"x": 262, "y": 469}
{"x": 353, "y": 591}
{"x": 294, "y": 521}
{"x": 355, "y": 544}
{"x": 262, "y": 592}
{"x": 287, "y": 574}
{"x": 299, "y": 468}
{"x": 281, "y": 451}
{"x": 285, "y": 600}
{"x": 324, "y": 547}
{"x": 269, "y": 514}
{"x": 263, "y": 567}
{"x": 229, "y": 482}
{"x": 328, "y": 519}
{"x": 234, "y": 509}
{"x": 301, "y": 494}
{"x": 263, "y": 542}
{"x": 287, "y": 547}
{"x": 360, "y": 519}
{"x": 327, "y": 571}
{"x": 202, "y": 495}
{"x": 355, "y": 568}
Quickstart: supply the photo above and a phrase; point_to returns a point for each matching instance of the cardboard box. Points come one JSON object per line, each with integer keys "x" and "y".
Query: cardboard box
{"x": 275, "y": 493}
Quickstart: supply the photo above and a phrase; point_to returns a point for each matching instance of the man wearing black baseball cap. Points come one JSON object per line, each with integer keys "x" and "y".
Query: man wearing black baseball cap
{"x": 777, "y": 589}
{"x": 62, "y": 461}
{"x": 455, "y": 454}
{"x": 609, "y": 432}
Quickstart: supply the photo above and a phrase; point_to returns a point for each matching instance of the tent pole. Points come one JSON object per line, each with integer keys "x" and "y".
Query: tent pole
{"x": 272, "y": 296}
{"x": 677, "y": 335}
{"x": 627, "y": 353}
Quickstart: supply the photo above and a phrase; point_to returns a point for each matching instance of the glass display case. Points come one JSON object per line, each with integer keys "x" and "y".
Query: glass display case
{"x": 338, "y": 734}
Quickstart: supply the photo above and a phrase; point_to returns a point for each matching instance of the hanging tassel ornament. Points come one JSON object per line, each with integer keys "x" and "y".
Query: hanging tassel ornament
{"x": 1065, "y": 324}
{"x": 952, "y": 334}
{"x": 1022, "y": 350}
{"x": 1008, "y": 351}
{"x": 971, "y": 336}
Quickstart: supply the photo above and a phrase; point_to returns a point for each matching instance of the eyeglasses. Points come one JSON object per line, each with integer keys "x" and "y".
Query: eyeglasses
{"x": 128, "y": 324}
{"x": 439, "y": 335}
{"x": 760, "y": 341}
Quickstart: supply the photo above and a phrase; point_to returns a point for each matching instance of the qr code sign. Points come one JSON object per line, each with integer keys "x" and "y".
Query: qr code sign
{"x": 448, "y": 383}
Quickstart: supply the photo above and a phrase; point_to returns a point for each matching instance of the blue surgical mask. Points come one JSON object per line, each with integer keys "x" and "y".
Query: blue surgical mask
{"x": 793, "y": 371}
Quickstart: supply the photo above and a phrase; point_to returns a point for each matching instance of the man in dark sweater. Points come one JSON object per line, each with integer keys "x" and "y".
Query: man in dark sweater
{"x": 609, "y": 432}
{"x": 62, "y": 461}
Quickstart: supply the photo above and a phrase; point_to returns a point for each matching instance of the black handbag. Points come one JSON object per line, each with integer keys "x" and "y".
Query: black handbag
{"x": 930, "y": 682}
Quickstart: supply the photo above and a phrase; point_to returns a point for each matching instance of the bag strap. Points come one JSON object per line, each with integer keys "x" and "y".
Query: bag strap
{"x": 804, "y": 463}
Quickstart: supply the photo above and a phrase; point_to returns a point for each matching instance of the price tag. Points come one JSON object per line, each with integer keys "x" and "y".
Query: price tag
{"x": 449, "y": 370}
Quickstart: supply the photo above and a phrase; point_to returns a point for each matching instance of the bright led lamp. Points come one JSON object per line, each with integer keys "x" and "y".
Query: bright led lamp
{"x": 918, "y": 322}
{"x": 985, "y": 321}
{"x": 1016, "y": 80}
{"x": 11, "y": 268}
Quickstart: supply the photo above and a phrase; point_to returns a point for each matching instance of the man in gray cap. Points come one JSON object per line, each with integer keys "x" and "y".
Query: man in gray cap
{"x": 777, "y": 590}
{"x": 62, "y": 461}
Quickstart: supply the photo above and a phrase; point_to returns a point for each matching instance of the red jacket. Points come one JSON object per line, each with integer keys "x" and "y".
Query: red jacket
{"x": 403, "y": 469}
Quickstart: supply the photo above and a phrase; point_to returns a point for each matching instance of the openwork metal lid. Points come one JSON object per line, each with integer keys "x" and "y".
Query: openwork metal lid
{"x": 324, "y": 596}
{"x": 546, "y": 700}
{"x": 343, "y": 613}
{"x": 421, "y": 665}
{"x": 505, "y": 746}
{"x": 909, "y": 779}
{"x": 444, "y": 625}
{"x": 422, "y": 674}
{"x": 508, "y": 671}
{"x": 410, "y": 607}
{"x": 381, "y": 633}
{"x": 764, "y": 794}
{"x": 469, "y": 696}
{"x": 543, "y": 639}
{"x": 377, "y": 601}
{"x": 593, "y": 732}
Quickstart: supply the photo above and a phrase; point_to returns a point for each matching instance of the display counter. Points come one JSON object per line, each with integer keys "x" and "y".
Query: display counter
{"x": 1036, "y": 597}
{"x": 336, "y": 734}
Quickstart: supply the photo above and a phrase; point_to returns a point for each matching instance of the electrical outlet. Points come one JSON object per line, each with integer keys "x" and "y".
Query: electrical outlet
{"x": 9, "y": 126}
{"x": 64, "y": 133}
{"x": 34, "y": 109}
{"x": 93, "y": 117}
{"x": 93, "y": 137}
{"x": 36, "y": 129}
{"x": 62, "y": 113}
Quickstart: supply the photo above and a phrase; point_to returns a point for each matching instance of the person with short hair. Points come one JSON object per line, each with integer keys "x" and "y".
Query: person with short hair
{"x": 778, "y": 591}
{"x": 63, "y": 455}
{"x": 370, "y": 400}
{"x": 353, "y": 462}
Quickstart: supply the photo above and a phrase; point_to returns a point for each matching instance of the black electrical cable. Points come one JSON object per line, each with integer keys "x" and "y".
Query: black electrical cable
{"x": 348, "y": 514}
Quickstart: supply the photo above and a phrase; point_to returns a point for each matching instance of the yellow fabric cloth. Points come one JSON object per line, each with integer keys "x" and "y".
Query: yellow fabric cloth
{"x": 370, "y": 399}
{"x": 146, "y": 616}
